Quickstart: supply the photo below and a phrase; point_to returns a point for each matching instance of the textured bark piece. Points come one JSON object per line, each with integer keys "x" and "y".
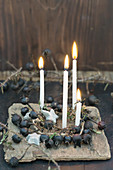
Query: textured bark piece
{"x": 99, "y": 150}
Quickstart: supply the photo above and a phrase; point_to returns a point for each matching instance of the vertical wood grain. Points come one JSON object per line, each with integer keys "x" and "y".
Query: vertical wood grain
{"x": 27, "y": 27}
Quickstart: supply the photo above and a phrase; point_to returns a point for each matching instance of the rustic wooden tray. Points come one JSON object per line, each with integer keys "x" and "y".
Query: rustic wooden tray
{"x": 99, "y": 150}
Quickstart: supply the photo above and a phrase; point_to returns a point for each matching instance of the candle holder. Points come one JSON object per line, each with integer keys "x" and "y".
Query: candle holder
{"x": 84, "y": 142}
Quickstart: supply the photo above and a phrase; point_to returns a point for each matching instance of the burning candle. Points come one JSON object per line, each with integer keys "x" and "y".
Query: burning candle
{"x": 65, "y": 92}
{"x": 78, "y": 108}
{"x": 41, "y": 67}
{"x": 74, "y": 73}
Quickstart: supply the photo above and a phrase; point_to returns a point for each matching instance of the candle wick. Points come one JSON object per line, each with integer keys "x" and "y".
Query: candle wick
{"x": 65, "y": 69}
{"x": 41, "y": 68}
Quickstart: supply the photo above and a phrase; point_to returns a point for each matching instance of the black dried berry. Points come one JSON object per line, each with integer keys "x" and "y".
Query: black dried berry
{"x": 75, "y": 129}
{"x": 33, "y": 115}
{"x": 49, "y": 99}
{"x": 30, "y": 66}
{"x": 48, "y": 124}
{"x": 59, "y": 107}
{"x": 86, "y": 131}
{"x": 58, "y": 140}
{"x": 25, "y": 100}
{"x": 25, "y": 123}
{"x": 21, "y": 82}
{"x": 67, "y": 140}
{"x": 44, "y": 138}
{"x": 46, "y": 52}
{"x": 77, "y": 140}
{"x": 49, "y": 143}
{"x": 88, "y": 125}
{"x": 26, "y": 89}
{"x": 93, "y": 100}
{"x": 24, "y": 131}
{"x": 87, "y": 138}
{"x": 16, "y": 119}
{"x": 15, "y": 86}
{"x": 13, "y": 162}
{"x": 16, "y": 138}
{"x": 54, "y": 105}
{"x": 24, "y": 110}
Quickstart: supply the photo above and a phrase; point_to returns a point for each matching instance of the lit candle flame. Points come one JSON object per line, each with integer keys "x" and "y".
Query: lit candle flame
{"x": 78, "y": 95}
{"x": 66, "y": 62}
{"x": 74, "y": 51}
{"x": 41, "y": 63}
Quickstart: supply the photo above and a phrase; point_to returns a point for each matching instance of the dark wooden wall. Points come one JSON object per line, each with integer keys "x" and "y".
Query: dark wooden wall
{"x": 29, "y": 26}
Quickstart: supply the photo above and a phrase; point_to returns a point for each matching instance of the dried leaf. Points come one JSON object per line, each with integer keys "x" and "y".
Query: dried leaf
{"x": 4, "y": 137}
{"x": 96, "y": 131}
{"x": 53, "y": 135}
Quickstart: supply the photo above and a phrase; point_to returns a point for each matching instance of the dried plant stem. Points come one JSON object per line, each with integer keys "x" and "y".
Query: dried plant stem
{"x": 57, "y": 127}
{"x": 11, "y": 65}
{"x": 25, "y": 152}
{"x": 93, "y": 78}
{"x": 39, "y": 147}
{"x": 25, "y": 84}
{"x": 43, "y": 150}
{"x": 54, "y": 64}
{"x": 3, "y": 125}
{"x": 12, "y": 75}
{"x": 82, "y": 127}
{"x": 92, "y": 120}
{"x": 70, "y": 86}
{"x": 31, "y": 107}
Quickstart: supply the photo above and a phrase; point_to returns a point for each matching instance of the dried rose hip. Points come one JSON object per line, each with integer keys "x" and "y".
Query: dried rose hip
{"x": 101, "y": 125}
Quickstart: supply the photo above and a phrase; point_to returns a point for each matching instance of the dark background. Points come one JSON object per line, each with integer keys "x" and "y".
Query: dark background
{"x": 29, "y": 26}
{"x": 106, "y": 111}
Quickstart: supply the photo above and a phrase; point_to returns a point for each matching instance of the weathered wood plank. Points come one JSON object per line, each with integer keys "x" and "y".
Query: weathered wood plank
{"x": 53, "y": 76}
{"x": 28, "y": 27}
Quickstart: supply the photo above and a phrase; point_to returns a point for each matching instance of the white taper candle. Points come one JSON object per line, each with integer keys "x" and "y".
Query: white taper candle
{"x": 74, "y": 73}
{"x": 78, "y": 108}
{"x": 74, "y": 84}
{"x": 65, "y": 97}
{"x": 41, "y": 88}
{"x": 65, "y": 93}
{"x": 41, "y": 67}
{"x": 78, "y": 113}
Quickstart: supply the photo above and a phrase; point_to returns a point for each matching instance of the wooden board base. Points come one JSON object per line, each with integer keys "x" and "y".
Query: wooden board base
{"x": 99, "y": 150}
